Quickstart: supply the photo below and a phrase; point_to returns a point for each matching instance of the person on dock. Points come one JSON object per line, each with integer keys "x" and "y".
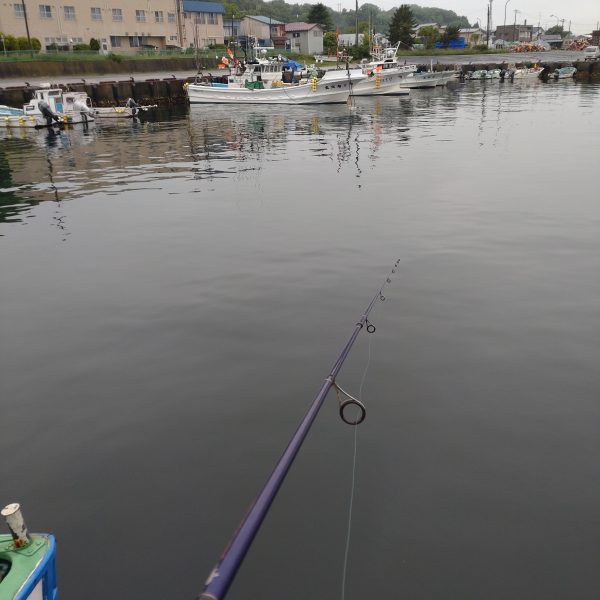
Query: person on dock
{"x": 47, "y": 113}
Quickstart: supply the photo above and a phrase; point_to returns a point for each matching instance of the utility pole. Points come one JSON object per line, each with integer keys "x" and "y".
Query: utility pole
{"x": 487, "y": 34}
{"x": 505, "y": 5}
{"x": 515, "y": 26}
{"x": 27, "y": 27}
{"x": 356, "y": 36}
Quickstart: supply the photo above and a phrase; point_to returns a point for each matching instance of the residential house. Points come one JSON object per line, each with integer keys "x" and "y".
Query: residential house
{"x": 514, "y": 33}
{"x": 417, "y": 28}
{"x": 135, "y": 25}
{"x": 264, "y": 31}
{"x": 554, "y": 40}
{"x": 596, "y": 37}
{"x": 473, "y": 36}
{"x": 305, "y": 38}
{"x": 349, "y": 39}
{"x": 203, "y": 24}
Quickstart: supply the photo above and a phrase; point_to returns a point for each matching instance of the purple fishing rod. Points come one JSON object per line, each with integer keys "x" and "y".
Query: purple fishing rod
{"x": 221, "y": 577}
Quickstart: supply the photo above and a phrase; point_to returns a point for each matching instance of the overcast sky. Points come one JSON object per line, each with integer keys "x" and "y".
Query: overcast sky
{"x": 583, "y": 14}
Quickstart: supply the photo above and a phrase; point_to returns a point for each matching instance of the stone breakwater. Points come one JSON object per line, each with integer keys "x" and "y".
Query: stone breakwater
{"x": 170, "y": 91}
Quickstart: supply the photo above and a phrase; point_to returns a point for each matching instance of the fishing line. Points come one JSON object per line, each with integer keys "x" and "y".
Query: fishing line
{"x": 353, "y": 486}
{"x": 222, "y": 575}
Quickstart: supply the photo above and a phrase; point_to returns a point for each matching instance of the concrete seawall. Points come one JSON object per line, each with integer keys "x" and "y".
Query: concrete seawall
{"x": 164, "y": 92}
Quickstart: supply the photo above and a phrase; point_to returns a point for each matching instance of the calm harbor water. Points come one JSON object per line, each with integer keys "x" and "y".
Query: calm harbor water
{"x": 173, "y": 293}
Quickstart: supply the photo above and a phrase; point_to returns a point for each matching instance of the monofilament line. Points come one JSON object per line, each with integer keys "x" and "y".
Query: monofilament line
{"x": 353, "y": 486}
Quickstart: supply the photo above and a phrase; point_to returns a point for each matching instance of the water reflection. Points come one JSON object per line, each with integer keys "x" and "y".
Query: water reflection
{"x": 212, "y": 145}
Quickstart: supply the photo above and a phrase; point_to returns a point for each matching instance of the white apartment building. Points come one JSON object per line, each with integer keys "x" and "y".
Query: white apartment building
{"x": 118, "y": 26}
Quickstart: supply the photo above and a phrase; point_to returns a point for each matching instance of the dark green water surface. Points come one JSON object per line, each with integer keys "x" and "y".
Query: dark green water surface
{"x": 174, "y": 292}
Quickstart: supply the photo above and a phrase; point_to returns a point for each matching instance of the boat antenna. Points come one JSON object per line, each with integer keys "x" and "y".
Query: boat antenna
{"x": 221, "y": 577}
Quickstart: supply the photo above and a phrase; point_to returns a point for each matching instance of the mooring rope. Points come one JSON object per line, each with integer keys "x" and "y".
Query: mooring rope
{"x": 353, "y": 486}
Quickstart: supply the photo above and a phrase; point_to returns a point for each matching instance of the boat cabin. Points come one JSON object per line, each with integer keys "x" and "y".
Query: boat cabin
{"x": 59, "y": 100}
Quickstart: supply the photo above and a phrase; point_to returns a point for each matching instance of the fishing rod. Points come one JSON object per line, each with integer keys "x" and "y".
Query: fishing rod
{"x": 221, "y": 577}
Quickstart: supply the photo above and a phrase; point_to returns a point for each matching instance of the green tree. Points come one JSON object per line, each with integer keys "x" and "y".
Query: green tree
{"x": 320, "y": 14}
{"x": 401, "y": 27}
{"x": 429, "y": 35}
{"x": 557, "y": 30}
{"x": 330, "y": 42}
{"x": 94, "y": 45}
{"x": 363, "y": 50}
{"x": 11, "y": 43}
{"x": 451, "y": 33}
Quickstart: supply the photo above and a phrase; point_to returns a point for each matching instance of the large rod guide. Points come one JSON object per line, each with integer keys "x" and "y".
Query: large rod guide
{"x": 222, "y": 575}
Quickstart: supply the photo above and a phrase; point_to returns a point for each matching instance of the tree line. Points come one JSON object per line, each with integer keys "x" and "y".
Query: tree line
{"x": 344, "y": 21}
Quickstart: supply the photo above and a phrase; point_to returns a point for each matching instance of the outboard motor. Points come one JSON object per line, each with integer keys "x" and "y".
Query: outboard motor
{"x": 47, "y": 113}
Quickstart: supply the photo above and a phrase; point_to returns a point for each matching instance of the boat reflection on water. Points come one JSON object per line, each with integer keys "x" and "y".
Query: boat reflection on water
{"x": 126, "y": 156}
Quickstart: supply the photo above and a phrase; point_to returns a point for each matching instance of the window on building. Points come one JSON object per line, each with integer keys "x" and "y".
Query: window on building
{"x": 158, "y": 16}
{"x": 173, "y": 38}
{"x": 115, "y": 41}
{"x": 140, "y": 16}
{"x": 211, "y": 42}
{"x": 117, "y": 14}
{"x": 96, "y": 13}
{"x": 19, "y": 11}
{"x": 296, "y": 34}
{"x": 45, "y": 11}
{"x": 212, "y": 19}
{"x": 200, "y": 18}
{"x": 171, "y": 17}
{"x": 69, "y": 13}
{"x": 135, "y": 41}
{"x": 316, "y": 33}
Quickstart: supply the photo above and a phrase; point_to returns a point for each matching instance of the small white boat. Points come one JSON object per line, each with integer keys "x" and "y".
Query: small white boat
{"x": 477, "y": 75}
{"x": 564, "y": 73}
{"x": 334, "y": 87}
{"x": 527, "y": 73}
{"x": 9, "y": 111}
{"x": 425, "y": 79}
{"x": 121, "y": 112}
{"x": 70, "y": 107}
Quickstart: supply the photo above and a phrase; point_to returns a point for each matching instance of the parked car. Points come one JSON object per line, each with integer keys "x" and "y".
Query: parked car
{"x": 591, "y": 53}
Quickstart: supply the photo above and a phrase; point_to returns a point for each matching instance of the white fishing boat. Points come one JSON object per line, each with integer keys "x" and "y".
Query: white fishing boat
{"x": 334, "y": 87}
{"x": 564, "y": 73}
{"x": 477, "y": 75}
{"x": 420, "y": 80}
{"x": 526, "y": 73}
{"x": 384, "y": 74}
{"x": 69, "y": 107}
{"x": 121, "y": 112}
{"x": 9, "y": 111}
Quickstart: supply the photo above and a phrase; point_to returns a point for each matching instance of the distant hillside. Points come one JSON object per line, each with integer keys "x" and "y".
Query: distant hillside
{"x": 282, "y": 11}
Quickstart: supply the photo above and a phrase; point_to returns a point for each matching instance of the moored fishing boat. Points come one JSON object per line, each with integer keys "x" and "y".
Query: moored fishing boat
{"x": 68, "y": 108}
{"x": 121, "y": 112}
{"x": 527, "y": 73}
{"x": 384, "y": 74}
{"x": 564, "y": 73}
{"x": 334, "y": 87}
{"x": 9, "y": 111}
